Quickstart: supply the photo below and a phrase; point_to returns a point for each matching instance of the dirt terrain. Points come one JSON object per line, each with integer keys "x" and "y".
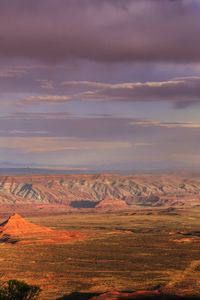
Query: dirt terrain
{"x": 102, "y": 236}
{"x": 125, "y": 253}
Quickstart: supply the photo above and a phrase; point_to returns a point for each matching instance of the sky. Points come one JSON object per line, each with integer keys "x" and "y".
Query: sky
{"x": 100, "y": 85}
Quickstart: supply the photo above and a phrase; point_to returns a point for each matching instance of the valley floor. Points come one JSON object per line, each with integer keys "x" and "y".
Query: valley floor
{"x": 125, "y": 251}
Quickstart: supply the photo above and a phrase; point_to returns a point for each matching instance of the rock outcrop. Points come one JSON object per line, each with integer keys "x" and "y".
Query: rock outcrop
{"x": 111, "y": 204}
{"x": 17, "y": 229}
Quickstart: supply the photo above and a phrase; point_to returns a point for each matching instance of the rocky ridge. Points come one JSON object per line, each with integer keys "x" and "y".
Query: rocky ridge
{"x": 132, "y": 190}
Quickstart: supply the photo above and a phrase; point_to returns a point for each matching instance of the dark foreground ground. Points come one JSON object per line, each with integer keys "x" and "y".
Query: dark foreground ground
{"x": 125, "y": 252}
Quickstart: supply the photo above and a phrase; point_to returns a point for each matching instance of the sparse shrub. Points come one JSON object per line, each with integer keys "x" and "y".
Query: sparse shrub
{"x": 19, "y": 290}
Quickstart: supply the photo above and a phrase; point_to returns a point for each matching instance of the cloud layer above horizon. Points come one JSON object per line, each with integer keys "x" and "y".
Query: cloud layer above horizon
{"x": 107, "y": 30}
{"x": 110, "y": 84}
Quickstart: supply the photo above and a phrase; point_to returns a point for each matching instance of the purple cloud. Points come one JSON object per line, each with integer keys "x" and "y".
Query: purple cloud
{"x": 182, "y": 92}
{"x": 108, "y": 31}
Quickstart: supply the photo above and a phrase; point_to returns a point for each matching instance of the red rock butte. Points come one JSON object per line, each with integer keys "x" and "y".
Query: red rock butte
{"x": 112, "y": 204}
{"x": 18, "y": 229}
{"x": 143, "y": 294}
{"x": 19, "y": 226}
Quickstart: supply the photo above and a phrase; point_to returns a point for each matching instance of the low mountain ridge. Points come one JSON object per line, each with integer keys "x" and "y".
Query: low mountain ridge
{"x": 132, "y": 190}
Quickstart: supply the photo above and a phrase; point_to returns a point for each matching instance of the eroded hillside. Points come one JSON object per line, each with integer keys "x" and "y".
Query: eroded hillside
{"x": 88, "y": 190}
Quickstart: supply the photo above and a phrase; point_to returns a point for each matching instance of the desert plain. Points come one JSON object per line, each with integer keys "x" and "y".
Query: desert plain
{"x": 79, "y": 253}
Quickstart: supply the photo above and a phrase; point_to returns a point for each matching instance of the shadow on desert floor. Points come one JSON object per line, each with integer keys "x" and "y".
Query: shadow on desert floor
{"x": 99, "y": 296}
{"x": 79, "y": 296}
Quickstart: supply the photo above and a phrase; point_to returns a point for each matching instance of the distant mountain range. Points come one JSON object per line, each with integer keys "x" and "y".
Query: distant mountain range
{"x": 101, "y": 190}
{"x": 30, "y": 171}
{"x": 51, "y": 171}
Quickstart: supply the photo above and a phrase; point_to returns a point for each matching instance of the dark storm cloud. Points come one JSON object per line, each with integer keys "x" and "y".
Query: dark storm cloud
{"x": 109, "y": 31}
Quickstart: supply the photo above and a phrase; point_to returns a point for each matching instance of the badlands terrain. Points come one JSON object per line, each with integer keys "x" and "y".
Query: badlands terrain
{"x": 102, "y": 236}
{"x": 99, "y": 192}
